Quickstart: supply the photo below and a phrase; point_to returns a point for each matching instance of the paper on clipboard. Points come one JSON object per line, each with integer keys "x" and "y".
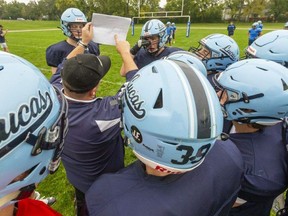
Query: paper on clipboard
{"x": 106, "y": 26}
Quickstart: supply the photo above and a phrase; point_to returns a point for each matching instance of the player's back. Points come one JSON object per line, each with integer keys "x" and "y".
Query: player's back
{"x": 209, "y": 189}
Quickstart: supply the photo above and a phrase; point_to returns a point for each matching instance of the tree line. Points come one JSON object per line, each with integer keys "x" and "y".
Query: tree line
{"x": 198, "y": 10}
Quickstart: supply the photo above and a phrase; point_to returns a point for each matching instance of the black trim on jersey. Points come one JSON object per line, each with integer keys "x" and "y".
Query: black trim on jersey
{"x": 202, "y": 106}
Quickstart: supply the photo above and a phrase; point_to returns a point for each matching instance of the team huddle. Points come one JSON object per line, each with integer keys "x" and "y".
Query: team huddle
{"x": 208, "y": 129}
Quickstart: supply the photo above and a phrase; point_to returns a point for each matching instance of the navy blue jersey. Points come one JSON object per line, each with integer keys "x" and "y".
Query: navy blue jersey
{"x": 2, "y": 38}
{"x": 93, "y": 144}
{"x": 209, "y": 189}
{"x": 231, "y": 28}
{"x": 143, "y": 58}
{"x": 265, "y": 176}
{"x": 56, "y": 53}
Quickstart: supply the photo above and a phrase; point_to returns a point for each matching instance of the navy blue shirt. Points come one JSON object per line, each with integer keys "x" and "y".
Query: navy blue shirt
{"x": 210, "y": 189}
{"x": 143, "y": 58}
{"x": 93, "y": 144}
{"x": 265, "y": 176}
{"x": 2, "y": 38}
{"x": 231, "y": 28}
{"x": 56, "y": 53}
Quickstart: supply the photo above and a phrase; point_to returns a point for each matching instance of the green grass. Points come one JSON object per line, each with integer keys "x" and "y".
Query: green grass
{"x": 32, "y": 45}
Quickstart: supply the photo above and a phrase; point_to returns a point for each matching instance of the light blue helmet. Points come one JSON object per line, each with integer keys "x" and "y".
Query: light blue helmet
{"x": 223, "y": 51}
{"x": 32, "y": 127}
{"x": 155, "y": 27}
{"x": 189, "y": 58}
{"x": 257, "y": 91}
{"x": 171, "y": 116}
{"x": 272, "y": 46}
{"x": 71, "y": 15}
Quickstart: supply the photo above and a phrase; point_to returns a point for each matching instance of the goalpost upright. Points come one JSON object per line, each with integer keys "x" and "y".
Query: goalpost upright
{"x": 161, "y": 14}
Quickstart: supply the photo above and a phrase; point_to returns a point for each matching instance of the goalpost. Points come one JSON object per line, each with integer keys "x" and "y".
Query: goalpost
{"x": 161, "y": 14}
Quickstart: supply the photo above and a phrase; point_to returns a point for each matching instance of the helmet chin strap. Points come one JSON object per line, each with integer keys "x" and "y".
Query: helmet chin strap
{"x": 74, "y": 38}
{"x": 155, "y": 52}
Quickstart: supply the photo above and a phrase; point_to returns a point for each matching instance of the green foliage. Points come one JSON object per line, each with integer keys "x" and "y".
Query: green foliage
{"x": 31, "y": 45}
{"x": 198, "y": 10}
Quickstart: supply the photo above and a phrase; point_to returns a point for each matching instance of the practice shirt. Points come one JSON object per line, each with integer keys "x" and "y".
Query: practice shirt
{"x": 210, "y": 189}
{"x": 254, "y": 33}
{"x": 143, "y": 58}
{"x": 56, "y": 53}
{"x": 266, "y": 174}
{"x": 93, "y": 144}
{"x": 231, "y": 28}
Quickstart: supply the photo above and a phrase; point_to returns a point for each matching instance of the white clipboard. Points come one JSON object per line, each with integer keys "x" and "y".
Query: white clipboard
{"x": 106, "y": 26}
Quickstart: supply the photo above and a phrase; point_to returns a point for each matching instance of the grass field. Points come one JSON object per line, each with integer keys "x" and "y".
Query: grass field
{"x": 38, "y": 35}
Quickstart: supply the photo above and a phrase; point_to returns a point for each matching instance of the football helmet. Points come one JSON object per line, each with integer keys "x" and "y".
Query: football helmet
{"x": 171, "y": 116}
{"x": 256, "y": 91}
{"x": 69, "y": 16}
{"x": 154, "y": 27}
{"x": 272, "y": 46}
{"x": 189, "y": 58}
{"x": 33, "y": 126}
{"x": 222, "y": 52}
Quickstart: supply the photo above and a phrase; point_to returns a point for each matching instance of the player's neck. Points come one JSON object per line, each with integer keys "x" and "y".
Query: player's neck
{"x": 244, "y": 128}
{"x": 71, "y": 41}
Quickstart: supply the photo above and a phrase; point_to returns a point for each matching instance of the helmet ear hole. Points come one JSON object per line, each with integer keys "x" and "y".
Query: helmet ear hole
{"x": 159, "y": 101}
{"x": 285, "y": 87}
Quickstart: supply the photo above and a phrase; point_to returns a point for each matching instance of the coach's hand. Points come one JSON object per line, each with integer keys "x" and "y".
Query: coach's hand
{"x": 87, "y": 33}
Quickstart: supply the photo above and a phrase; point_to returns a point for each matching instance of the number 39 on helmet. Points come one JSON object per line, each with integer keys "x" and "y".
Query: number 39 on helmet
{"x": 171, "y": 116}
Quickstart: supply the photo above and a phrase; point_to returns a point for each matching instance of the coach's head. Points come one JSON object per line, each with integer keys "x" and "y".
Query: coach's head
{"x": 82, "y": 74}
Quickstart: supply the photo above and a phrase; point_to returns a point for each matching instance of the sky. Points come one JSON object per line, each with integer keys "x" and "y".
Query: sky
{"x": 162, "y": 2}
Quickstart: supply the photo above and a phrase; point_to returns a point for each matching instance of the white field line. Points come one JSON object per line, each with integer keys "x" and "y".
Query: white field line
{"x": 32, "y": 30}
{"x": 139, "y": 27}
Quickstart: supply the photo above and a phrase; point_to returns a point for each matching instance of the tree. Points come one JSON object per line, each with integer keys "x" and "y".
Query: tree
{"x": 15, "y": 10}
{"x": 278, "y": 9}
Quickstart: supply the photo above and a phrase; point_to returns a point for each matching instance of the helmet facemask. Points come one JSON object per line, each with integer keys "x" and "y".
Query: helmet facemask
{"x": 76, "y": 30}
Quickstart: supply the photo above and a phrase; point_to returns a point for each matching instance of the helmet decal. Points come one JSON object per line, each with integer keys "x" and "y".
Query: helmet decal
{"x": 133, "y": 100}
{"x": 38, "y": 108}
{"x": 227, "y": 51}
{"x": 136, "y": 134}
